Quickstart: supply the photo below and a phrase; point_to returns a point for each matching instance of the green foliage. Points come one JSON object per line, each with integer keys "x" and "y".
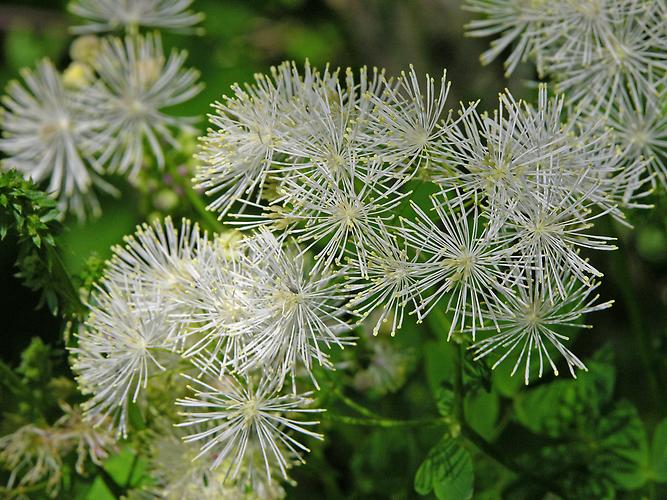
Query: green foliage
{"x": 658, "y": 469}
{"x": 602, "y": 458}
{"x": 447, "y": 471}
{"x": 30, "y": 393}
{"x": 563, "y": 406}
{"x": 127, "y": 469}
{"x": 33, "y": 217}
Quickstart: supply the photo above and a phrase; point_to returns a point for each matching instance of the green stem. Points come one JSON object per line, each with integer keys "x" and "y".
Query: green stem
{"x": 362, "y": 410}
{"x": 17, "y": 491}
{"x": 389, "y": 423}
{"x": 625, "y": 286}
{"x": 478, "y": 440}
{"x": 196, "y": 202}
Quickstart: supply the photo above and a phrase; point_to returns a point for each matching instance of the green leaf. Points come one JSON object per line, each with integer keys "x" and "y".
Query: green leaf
{"x": 135, "y": 418}
{"x": 556, "y": 408}
{"x": 625, "y": 446}
{"x": 447, "y": 471}
{"x": 659, "y": 453}
{"x": 504, "y": 383}
{"x": 476, "y": 374}
{"x": 439, "y": 360}
{"x": 445, "y": 399}
{"x": 481, "y": 411}
{"x": 32, "y": 215}
{"x": 608, "y": 454}
{"x": 99, "y": 491}
{"x": 126, "y": 468}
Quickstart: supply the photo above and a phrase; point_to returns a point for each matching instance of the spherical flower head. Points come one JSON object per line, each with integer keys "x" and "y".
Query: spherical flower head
{"x": 640, "y": 130}
{"x": 136, "y": 83}
{"x": 215, "y": 316}
{"x": 160, "y": 257}
{"x": 389, "y": 285}
{"x": 261, "y": 305}
{"x": 33, "y": 455}
{"x": 46, "y": 136}
{"x": 341, "y": 213}
{"x": 179, "y": 476}
{"x": 530, "y": 324}
{"x": 300, "y": 129}
{"x": 463, "y": 258}
{"x": 123, "y": 343}
{"x": 569, "y": 34}
{"x": 245, "y": 418}
{"x": 301, "y": 308}
{"x": 630, "y": 64}
{"x": 405, "y": 121}
{"x": 517, "y": 23}
{"x": 130, "y": 333}
{"x": 236, "y": 155}
{"x": 129, "y": 15}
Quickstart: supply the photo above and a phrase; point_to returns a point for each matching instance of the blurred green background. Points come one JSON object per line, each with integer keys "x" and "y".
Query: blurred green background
{"x": 244, "y": 37}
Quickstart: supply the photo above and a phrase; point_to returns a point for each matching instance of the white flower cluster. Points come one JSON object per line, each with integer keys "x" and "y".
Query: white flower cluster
{"x": 238, "y": 317}
{"x": 105, "y": 112}
{"x": 319, "y": 168}
{"x": 608, "y": 56}
{"x": 515, "y": 194}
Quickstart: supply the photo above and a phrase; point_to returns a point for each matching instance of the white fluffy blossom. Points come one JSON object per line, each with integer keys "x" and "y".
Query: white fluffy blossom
{"x": 632, "y": 62}
{"x": 389, "y": 284}
{"x": 515, "y": 22}
{"x": 136, "y": 83}
{"x": 595, "y": 50}
{"x": 262, "y": 305}
{"x": 523, "y": 150}
{"x": 46, "y": 136}
{"x": 640, "y": 130}
{"x": 306, "y": 133}
{"x": 179, "y": 475}
{"x": 129, "y": 335}
{"x": 301, "y": 308}
{"x": 531, "y": 322}
{"x": 463, "y": 257}
{"x": 122, "y": 344}
{"x": 112, "y": 15}
{"x": 239, "y": 419}
{"x": 159, "y": 257}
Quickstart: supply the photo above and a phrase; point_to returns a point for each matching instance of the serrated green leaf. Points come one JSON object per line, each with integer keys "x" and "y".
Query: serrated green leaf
{"x": 447, "y": 471}
{"x": 445, "y": 399}
{"x": 556, "y": 408}
{"x": 625, "y": 446}
{"x": 606, "y": 455}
